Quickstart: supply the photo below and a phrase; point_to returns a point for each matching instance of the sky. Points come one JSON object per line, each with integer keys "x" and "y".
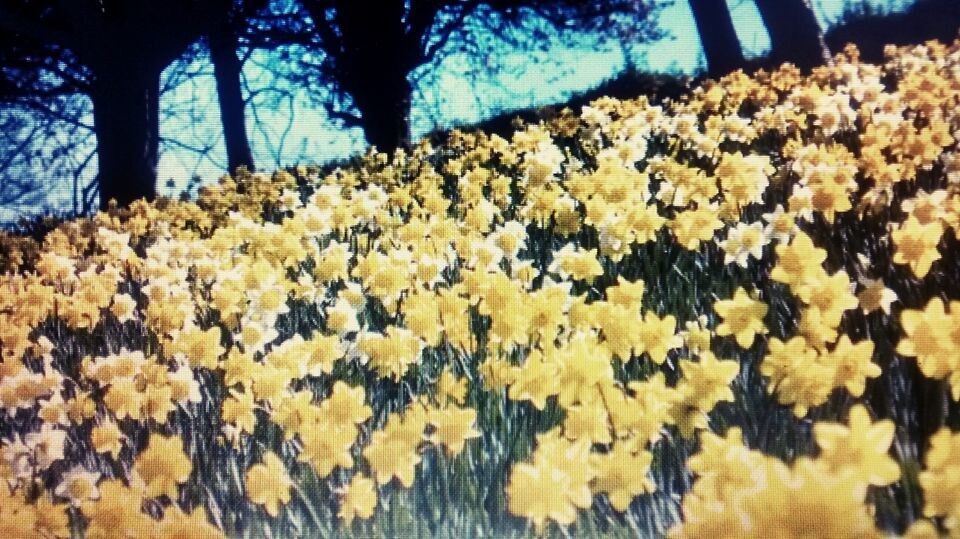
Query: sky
{"x": 451, "y": 99}
{"x": 465, "y": 101}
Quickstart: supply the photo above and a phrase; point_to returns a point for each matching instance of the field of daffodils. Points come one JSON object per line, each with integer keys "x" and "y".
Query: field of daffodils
{"x": 732, "y": 315}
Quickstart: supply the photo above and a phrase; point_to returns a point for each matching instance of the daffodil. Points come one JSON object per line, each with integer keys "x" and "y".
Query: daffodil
{"x": 124, "y": 399}
{"x": 743, "y": 317}
{"x": 657, "y": 336}
{"x": 453, "y": 427}
{"x": 766, "y": 494}
{"x": 327, "y": 445}
{"x": 831, "y": 295}
{"x": 324, "y": 351}
{"x": 804, "y": 377}
{"x": 238, "y": 414}
{"x": 450, "y": 388}
{"x": 743, "y": 243}
{"x": 269, "y": 383}
{"x": 238, "y": 367}
{"x": 201, "y": 348}
{"x": 644, "y": 222}
{"x": 916, "y": 245}
{"x": 358, "y": 499}
{"x": 268, "y": 484}
{"x": 538, "y": 493}
{"x": 781, "y": 225}
{"x": 618, "y": 326}
{"x": 707, "y": 381}
{"x": 421, "y": 314}
{"x": 116, "y": 513}
{"x": 584, "y": 365}
{"x": 162, "y": 466}
{"x": 587, "y": 421}
{"x": 107, "y": 438}
{"x": 342, "y": 317}
{"x": 575, "y": 264}
{"x": 927, "y": 336}
{"x": 875, "y": 296}
{"x": 626, "y": 293}
{"x": 696, "y": 335}
{"x": 554, "y": 486}
{"x": 646, "y": 413}
{"x": 346, "y": 405}
{"x": 693, "y": 227}
{"x": 853, "y": 364}
{"x": 622, "y": 475}
{"x": 294, "y": 412}
{"x": 798, "y": 262}
{"x": 389, "y": 456}
{"x": 392, "y": 352}
{"x": 860, "y": 448}
{"x": 158, "y": 402}
{"x": 78, "y": 485}
{"x": 815, "y": 329}
{"x": 940, "y": 478}
{"x": 744, "y": 178}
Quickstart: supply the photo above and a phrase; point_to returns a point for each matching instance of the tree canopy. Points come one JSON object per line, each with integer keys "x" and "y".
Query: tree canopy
{"x": 114, "y": 51}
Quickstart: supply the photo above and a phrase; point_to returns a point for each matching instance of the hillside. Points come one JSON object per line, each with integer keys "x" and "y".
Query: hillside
{"x": 722, "y": 314}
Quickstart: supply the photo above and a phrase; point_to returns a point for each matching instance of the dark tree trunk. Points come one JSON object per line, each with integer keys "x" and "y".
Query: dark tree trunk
{"x": 373, "y": 62}
{"x": 794, "y": 33}
{"x": 384, "y": 104}
{"x": 226, "y": 70}
{"x": 718, "y": 36}
{"x": 126, "y": 97}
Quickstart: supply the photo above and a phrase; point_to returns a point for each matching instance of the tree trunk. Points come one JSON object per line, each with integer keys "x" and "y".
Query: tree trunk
{"x": 375, "y": 58}
{"x": 226, "y": 70}
{"x": 126, "y": 98}
{"x": 717, "y": 36}
{"x": 794, "y": 33}
{"x": 385, "y": 110}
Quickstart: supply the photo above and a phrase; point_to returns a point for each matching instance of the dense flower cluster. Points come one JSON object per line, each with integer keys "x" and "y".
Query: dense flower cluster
{"x": 542, "y": 326}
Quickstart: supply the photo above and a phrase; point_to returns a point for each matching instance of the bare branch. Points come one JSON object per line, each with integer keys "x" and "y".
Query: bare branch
{"x": 348, "y": 119}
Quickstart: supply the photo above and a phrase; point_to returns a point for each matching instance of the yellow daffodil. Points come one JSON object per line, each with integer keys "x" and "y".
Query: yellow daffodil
{"x": 656, "y": 336}
{"x": 742, "y": 317}
{"x": 798, "y": 262}
{"x": 875, "y": 296}
{"x": 587, "y": 421}
{"x": 78, "y": 485}
{"x": 932, "y": 337}
{"x": 391, "y": 455}
{"x": 940, "y": 478}
{"x": 622, "y": 475}
{"x": 107, "y": 438}
{"x": 358, "y": 499}
{"x": 551, "y": 489}
{"x": 575, "y": 264}
{"x": 860, "y": 448}
{"x": 200, "y": 348}
{"x": 916, "y": 245}
{"x": 268, "y": 484}
{"x": 453, "y": 427}
{"x": 116, "y": 513}
{"x": 327, "y": 445}
{"x": 391, "y": 353}
{"x": 163, "y": 465}
{"x": 853, "y": 364}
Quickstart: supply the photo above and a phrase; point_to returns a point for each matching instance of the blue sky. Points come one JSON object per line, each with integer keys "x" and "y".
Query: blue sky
{"x": 455, "y": 99}
{"x": 450, "y": 98}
